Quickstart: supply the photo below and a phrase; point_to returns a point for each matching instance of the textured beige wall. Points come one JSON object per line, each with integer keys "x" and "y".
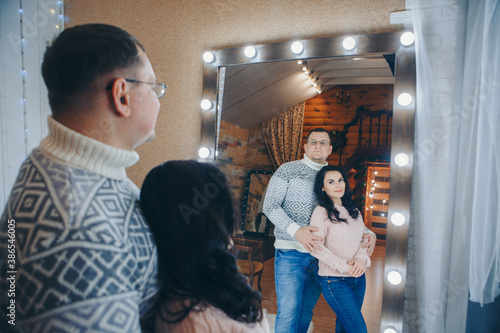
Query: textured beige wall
{"x": 175, "y": 34}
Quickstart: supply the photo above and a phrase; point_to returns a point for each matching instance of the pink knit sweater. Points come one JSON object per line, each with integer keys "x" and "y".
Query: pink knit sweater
{"x": 210, "y": 320}
{"x": 341, "y": 242}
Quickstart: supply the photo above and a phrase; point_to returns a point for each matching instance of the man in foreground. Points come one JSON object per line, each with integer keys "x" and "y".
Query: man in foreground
{"x": 82, "y": 257}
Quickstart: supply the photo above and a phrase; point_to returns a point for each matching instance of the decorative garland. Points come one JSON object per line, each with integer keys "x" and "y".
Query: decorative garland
{"x": 339, "y": 140}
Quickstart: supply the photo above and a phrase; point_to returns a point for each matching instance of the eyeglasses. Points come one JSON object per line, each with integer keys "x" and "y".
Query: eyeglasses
{"x": 158, "y": 88}
{"x": 321, "y": 143}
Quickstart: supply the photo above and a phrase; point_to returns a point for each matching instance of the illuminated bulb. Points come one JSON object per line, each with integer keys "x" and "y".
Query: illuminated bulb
{"x": 208, "y": 57}
{"x": 299, "y": 62}
{"x": 204, "y": 152}
{"x": 382, "y": 214}
{"x": 373, "y": 188}
{"x": 383, "y": 201}
{"x": 371, "y": 206}
{"x": 404, "y": 99}
{"x": 401, "y": 159}
{"x": 304, "y": 68}
{"x": 371, "y": 194}
{"x": 206, "y": 104}
{"x": 398, "y": 219}
{"x": 250, "y": 52}
{"x": 394, "y": 277}
{"x": 52, "y": 11}
{"x": 407, "y": 38}
{"x": 373, "y": 180}
{"x": 374, "y": 184}
{"x": 376, "y": 172}
{"x": 390, "y": 330}
{"x": 297, "y": 47}
{"x": 349, "y": 43}
{"x": 306, "y": 72}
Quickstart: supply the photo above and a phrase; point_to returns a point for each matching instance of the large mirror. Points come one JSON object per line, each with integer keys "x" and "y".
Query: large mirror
{"x": 370, "y": 54}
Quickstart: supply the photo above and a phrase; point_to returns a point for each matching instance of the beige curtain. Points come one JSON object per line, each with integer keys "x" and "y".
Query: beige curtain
{"x": 283, "y": 135}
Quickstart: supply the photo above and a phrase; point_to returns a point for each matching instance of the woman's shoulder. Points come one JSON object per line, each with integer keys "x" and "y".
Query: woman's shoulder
{"x": 210, "y": 319}
{"x": 320, "y": 210}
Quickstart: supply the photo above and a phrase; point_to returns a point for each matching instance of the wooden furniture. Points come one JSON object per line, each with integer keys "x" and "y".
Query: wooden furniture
{"x": 249, "y": 258}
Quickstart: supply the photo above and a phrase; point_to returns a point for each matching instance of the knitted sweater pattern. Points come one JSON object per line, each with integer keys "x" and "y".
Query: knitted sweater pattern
{"x": 85, "y": 259}
{"x": 290, "y": 199}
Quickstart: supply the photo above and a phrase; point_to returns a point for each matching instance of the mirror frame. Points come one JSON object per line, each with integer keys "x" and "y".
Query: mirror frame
{"x": 244, "y": 211}
{"x": 402, "y": 135}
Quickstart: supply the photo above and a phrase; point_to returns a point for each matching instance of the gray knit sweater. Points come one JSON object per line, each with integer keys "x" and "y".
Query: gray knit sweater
{"x": 82, "y": 256}
{"x": 290, "y": 201}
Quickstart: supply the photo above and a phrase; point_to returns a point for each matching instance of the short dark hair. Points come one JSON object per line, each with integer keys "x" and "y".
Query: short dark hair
{"x": 320, "y": 130}
{"x": 80, "y": 55}
{"x": 188, "y": 206}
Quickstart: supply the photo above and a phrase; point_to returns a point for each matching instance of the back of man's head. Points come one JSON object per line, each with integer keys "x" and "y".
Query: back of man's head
{"x": 79, "y": 56}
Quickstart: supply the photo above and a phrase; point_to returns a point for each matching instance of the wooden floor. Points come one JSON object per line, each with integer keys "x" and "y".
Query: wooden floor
{"x": 324, "y": 317}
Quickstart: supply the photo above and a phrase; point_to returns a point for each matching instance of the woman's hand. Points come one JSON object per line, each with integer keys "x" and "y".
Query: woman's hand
{"x": 358, "y": 267}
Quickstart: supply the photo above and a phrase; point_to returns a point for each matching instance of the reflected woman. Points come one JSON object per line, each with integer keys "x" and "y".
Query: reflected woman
{"x": 189, "y": 209}
{"x": 343, "y": 260}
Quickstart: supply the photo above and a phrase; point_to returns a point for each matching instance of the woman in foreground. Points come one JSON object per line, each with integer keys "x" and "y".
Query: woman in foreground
{"x": 189, "y": 209}
{"x": 342, "y": 261}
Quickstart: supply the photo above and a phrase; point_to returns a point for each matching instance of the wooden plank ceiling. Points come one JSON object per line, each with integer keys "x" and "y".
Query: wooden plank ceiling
{"x": 255, "y": 93}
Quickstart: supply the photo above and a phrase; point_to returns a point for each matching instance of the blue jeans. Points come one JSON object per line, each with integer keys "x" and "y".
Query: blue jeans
{"x": 345, "y": 296}
{"x": 297, "y": 289}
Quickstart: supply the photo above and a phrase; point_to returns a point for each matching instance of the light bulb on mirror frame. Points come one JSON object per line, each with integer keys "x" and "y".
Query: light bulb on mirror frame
{"x": 407, "y": 38}
{"x": 394, "y": 278}
{"x": 297, "y": 47}
{"x": 349, "y": 43}
{"x": 206, "y": 104}
{"x": 203, "y": 152}
{"x": 250, "y": 52}
{"x": 208, "y": 57}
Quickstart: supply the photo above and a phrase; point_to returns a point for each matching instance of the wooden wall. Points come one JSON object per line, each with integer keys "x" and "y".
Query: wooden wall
{"x": 324, "y": 111}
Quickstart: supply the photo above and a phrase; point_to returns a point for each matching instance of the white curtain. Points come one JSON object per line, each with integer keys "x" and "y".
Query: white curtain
{"x": 26, "y": 27}
{"x": 455, "y": 236}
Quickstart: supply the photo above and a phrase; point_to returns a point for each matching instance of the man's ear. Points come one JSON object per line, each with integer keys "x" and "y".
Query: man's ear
{"x": 120, "y": 97}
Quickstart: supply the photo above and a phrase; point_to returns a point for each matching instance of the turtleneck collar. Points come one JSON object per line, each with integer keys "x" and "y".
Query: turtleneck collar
{"x": 81, "y": 151}
{"x": 311, "y": 164}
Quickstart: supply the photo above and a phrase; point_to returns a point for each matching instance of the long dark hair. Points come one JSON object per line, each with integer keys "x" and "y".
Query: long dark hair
{"x": 327, "y": 203}
{"x": 189, "y": 208}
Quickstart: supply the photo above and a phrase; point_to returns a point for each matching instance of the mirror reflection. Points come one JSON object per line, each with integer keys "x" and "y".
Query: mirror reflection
{"x": 355, "y": 106}
{"x": 261, "y": 103}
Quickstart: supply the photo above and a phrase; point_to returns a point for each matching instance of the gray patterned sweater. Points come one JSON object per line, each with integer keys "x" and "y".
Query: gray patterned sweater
{"x": 84, "y": 259}
{"x": 290, "y": 200}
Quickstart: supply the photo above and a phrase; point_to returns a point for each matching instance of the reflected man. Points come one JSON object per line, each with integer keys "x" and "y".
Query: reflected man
{"x": 288, "y": 204}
